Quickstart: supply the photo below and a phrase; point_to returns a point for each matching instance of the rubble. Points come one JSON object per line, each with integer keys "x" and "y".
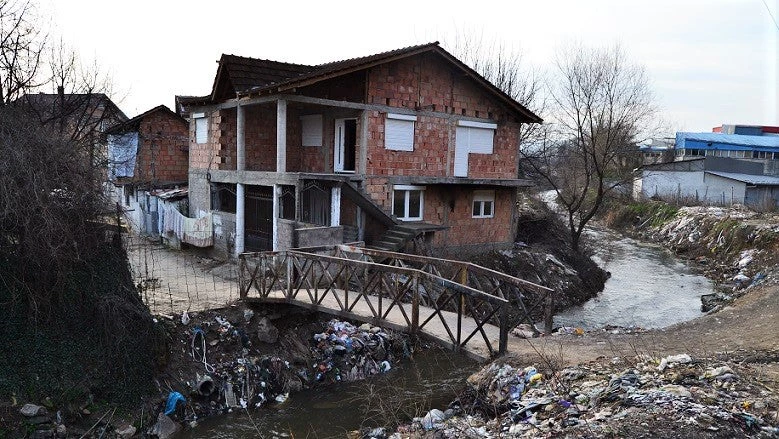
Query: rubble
{"x": 675, "y": 396}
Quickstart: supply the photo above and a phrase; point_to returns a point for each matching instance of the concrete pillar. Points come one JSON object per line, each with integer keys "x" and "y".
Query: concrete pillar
{"x": 240, "y": 228}
{"x": 240, "y": 156}
{"x": 240, "y": 165}
{"x": 276, "y": 202}
{"x": 281, "y": 135}
{"x": 335, "y": 206}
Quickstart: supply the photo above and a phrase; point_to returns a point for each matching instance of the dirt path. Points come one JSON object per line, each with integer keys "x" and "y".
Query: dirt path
{"x": 751, "y": 323}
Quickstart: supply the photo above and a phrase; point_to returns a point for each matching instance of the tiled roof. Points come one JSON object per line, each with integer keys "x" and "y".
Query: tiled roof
{"x": 250, "y": 76}
{"x": 136, "y": 121}
{"x": 246, "y": 73}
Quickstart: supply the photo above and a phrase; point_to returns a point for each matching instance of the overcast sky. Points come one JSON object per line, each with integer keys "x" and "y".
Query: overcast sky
{"x": 710, "y": 61}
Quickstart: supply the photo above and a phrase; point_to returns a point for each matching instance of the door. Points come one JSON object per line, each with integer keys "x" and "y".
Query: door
{"x": 258, "y": 219}
{"x": 345, "y": 145}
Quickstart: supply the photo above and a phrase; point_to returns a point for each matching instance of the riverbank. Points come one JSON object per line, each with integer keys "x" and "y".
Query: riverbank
{"x": 714, "y": 376}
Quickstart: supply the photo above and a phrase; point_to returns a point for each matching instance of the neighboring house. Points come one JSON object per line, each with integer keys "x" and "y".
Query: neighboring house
{"x": 386, "y": 148}
{"x": 82, "y": 117}
{"x": 148, "y": 154}
{"x": 762, "y": 148}
{"x": 709, "y": 180}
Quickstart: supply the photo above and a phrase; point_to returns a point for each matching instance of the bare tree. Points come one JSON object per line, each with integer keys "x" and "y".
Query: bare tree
{"x": 602, "y": 106}
{"x": 21, "y": 46}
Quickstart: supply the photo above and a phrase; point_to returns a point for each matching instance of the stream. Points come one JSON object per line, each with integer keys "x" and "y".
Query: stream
{"x": 648, "y": 288}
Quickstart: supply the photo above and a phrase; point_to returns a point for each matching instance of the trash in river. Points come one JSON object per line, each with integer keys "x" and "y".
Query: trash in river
{"x": 173, "y": 400}
{"x": 345, "y": 352}
{"x": 228, "y": 367}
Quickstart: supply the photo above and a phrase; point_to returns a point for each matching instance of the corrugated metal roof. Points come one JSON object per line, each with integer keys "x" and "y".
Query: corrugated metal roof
{"x": 730, "y": 139}
{"x": 166, "y": 194}
{"x": 760, "y": 180}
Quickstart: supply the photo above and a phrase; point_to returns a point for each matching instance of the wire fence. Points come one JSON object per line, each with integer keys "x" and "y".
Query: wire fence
{"x": 172, "y": 281}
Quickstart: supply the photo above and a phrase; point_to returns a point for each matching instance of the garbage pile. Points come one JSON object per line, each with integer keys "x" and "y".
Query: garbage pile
{"x": 676, "y": 396}
{"x": 234, "y": 360}
{"x": 344, "y": 352}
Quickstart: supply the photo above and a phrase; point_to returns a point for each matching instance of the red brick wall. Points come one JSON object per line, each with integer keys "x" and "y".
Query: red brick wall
{"x": 216, "y": 153}
{"x": 463, "y": 228}
{"x": 162, "y": 148}
{"x": 260, "y": 142}
{"x": 425, "y": 82}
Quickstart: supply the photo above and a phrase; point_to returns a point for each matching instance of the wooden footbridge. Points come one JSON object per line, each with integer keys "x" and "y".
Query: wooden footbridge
{"x": 458, "y": 304}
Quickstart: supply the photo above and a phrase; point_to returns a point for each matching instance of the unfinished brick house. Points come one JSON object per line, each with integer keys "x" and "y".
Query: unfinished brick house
{"x": 404, "y": 145}
{"x": 147, "y": 154}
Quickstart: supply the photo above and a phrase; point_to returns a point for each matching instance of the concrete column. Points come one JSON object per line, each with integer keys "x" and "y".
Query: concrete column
{"x": 335, "y": 207}
{"x": 240, "y": 227}
{"x": 363, "y": 155}
{"x": 276, "y": 202}
{"x": 240, "y": 165}
{"x": 281, "y": 135}
{"x": 240, "y": 156}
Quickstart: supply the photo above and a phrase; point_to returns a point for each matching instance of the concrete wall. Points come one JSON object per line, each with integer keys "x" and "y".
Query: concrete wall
{"x": 692, "y": 186}
{"x": 316, "y": 236}
{"x": 224, "y": 233}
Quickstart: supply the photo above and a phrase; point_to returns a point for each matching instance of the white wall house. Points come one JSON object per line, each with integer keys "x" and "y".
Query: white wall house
{"x": 702, "y": 181}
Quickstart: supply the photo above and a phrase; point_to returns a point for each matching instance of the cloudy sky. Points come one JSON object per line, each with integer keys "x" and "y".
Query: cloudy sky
{"x": 710, "y": 61}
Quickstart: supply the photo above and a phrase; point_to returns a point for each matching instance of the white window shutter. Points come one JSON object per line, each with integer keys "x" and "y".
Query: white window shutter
{"x": 461, "y": 149}
{"x": 311, "y": 128}
{"x": 480, "y": 140}
{"x": 201, "y": 129}
{"x": 399, "y": 134}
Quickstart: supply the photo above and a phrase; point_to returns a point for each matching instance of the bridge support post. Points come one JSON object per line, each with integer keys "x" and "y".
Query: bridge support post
{"x": 548, "y": 313}
{"x": 504, "y": 330}
{"x": 415, "y": 306}
{"x": 290, "y": 279}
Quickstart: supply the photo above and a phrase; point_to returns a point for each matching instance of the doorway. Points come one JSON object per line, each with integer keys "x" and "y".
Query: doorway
{"x": 345, "y": 145}
{"x": 258, "y": 219}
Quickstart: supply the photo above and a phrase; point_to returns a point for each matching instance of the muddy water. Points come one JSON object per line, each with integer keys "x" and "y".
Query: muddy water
{"x": 431, "y": 379}
{"x": 648, "y": 287}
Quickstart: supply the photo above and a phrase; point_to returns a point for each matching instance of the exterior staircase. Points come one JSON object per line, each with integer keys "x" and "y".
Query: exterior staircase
{"x": 395, "y": 238}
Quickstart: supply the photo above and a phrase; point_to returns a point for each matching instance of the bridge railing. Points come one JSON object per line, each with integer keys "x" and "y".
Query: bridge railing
{"x": 529, "y": 301}
{"x": 361, "y": 287}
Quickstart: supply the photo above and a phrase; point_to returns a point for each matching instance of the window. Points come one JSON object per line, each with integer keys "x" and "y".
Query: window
{"x": 408, "y": 202}
{"x": 311, "y": 128}
{"x": 223, "y": 197}
{"x": 471, "y": 138}
{"x": 399, "y": 132}
{"x": 483, "y": 204}
{"x": 201, "y": 127}
{"x": 477, "y": 135}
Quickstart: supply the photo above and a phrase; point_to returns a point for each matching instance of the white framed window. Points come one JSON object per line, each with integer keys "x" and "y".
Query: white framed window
{"x": 201, "y": 127}
{"x": 399, "y": 132}
{"x": 311, "y": 129}
{"x": 408, "y": 202}
{"x": 483, "y": 204}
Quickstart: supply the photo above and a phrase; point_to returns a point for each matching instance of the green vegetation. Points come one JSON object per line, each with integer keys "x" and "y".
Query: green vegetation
{"x": 641, "y": 214}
